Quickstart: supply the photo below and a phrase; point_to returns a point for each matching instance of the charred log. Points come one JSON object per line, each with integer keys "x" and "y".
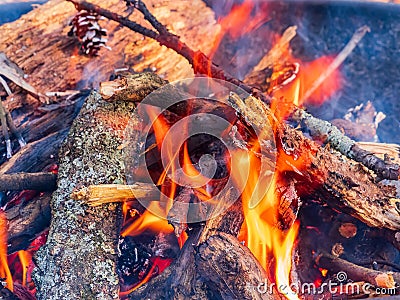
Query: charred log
{"x": 26, "y": 221}
{"x": 43, "y": 181}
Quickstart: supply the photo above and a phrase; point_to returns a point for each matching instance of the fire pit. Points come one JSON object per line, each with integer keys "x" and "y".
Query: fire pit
{"x": 229, "y": 189}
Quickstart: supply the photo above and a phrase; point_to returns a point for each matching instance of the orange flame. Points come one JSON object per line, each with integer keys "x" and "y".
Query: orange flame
{"x": 25, "y": 257}
{"x": 4, "y": 269}
{"x": 154, "y": 218}
{"x": 156, "y": 222}
{"x": 260, "y": 229}
{"x": 236, "y": 23}
{"x": 294, "y": 92}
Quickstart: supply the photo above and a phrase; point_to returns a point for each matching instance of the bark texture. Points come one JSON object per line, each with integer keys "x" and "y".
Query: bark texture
{"x": 79, "y": 258}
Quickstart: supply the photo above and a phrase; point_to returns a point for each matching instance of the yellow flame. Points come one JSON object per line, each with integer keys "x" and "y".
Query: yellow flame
{"x": 260, "y": 230}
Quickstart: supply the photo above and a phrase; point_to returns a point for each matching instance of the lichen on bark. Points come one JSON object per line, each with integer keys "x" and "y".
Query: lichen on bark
{"x": 79, "y": 259}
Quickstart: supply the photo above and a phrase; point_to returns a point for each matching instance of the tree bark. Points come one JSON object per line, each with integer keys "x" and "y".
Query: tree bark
{"x": 79, "y": 258}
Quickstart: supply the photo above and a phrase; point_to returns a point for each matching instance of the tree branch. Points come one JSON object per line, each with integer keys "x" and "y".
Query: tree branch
{"x": 42, "y": 181}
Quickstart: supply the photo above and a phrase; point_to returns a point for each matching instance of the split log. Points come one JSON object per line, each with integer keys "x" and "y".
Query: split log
{"x": 95, "y": 195}
{"x": 88, "y": 237}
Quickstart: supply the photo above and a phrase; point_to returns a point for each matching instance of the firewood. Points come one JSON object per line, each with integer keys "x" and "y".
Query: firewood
{"x": 357, "y": 273}
{"x": 45, "y": 153}
{"x": 86, "y": 236}
{"x": 203, "y": 65}
{"x": 243, "y": 279}
{"x": 26, "y": 221}
{"x": 15, "y": 74}
{"x": 360, "y": 197}
{"x": 181, "y": 279}
{"x": 95, "y": 195}
{"x": 43, "y": 181}
{"x": 44, "y": 135}
{"x": 339, "y": 181}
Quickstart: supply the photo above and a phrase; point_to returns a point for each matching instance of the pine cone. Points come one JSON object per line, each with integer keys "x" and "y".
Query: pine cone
{"x": 86, "y": 28}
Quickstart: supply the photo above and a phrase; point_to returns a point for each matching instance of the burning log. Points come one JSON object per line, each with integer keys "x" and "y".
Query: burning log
{"x": 327, "y": 172}
{"x": 203, "y": 65}
{"x": 90, "y": 155}
{"x": 339, "y": 182}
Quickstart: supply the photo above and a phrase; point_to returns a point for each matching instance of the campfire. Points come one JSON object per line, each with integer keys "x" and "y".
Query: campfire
{"x": 264, "y": 165}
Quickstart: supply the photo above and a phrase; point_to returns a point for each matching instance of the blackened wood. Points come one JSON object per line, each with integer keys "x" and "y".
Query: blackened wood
{"x": 35, "y": 156}
{"x": 230, "y": 269}
{"x": 26, "y": 221}
{"x": 42, "y": 181}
